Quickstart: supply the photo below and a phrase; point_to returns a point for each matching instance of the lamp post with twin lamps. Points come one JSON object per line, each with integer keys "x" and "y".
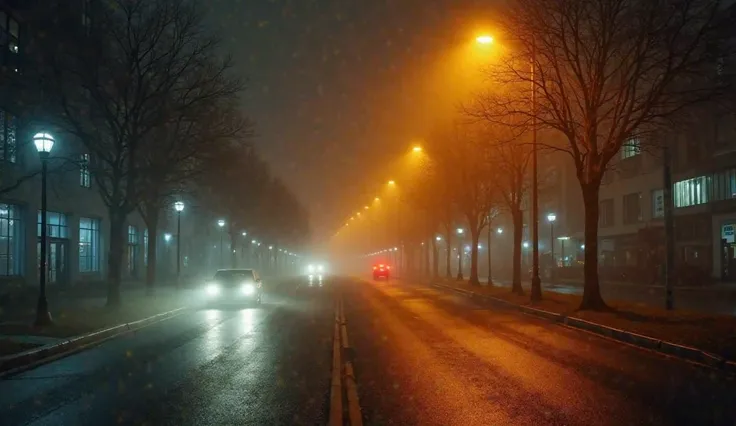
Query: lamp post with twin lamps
{"x": 44, "y": 142}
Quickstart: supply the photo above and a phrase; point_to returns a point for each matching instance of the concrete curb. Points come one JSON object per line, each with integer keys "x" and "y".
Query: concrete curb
{"x": 23, "y": 361}
{"x": 668, "y": 348}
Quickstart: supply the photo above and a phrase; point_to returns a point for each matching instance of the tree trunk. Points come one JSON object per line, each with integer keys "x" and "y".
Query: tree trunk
{"x": 518, "y": 219}
{"x": 152, "y": 224}
{"x": 474, "y": 237}
{"x": 115, "y": 258}
{"x": 448, "y": 265}
{"x": 592, "y": 299}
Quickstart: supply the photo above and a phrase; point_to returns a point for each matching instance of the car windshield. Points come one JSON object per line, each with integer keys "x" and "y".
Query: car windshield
{"x": 236, "y": 275}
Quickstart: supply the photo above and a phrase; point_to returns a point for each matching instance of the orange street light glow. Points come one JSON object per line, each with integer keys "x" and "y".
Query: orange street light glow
{"x": 358, "y": 213}
{"x": 391, "y": 182}
{"x": 484, "y": 39}
{"x": 366, "y": 207}
{"x": 417, "y": 149}
{"x": 376, "y": 199}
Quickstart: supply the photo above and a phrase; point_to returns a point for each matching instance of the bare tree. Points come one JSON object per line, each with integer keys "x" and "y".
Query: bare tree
{"x": 143, "y": 64}
{"x": 179, "y": 152}
{"x": 604, "y": 72}
{"x": 469, "y": 177}
{"x": 509, "y": 158}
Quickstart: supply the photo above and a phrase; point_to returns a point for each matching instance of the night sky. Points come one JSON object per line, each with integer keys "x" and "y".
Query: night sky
{"x": 339, "y": 88}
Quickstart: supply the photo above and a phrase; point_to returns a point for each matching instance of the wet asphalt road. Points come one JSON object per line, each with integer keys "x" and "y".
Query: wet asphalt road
{"x": 218, "y": 365}
{"x": 426, "y": 357}
{"x": 422, "y": 357}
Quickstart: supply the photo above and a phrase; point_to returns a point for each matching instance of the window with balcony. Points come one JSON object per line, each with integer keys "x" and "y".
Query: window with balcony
{"x": 632, "y": 208}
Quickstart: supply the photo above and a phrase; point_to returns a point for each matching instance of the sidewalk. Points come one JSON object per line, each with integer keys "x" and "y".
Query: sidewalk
{"x": 712, "y": 333}
{"x": 75, "y": 314}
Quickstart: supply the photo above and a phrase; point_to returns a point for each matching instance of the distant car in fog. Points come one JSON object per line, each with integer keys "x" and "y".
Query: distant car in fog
{"x": 316, "y": 270}
{"x": 381, "y": 271}
{"x": 235, "y": 285}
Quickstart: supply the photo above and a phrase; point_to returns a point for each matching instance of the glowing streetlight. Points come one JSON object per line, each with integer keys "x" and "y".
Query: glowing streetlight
{"x": 417, "y": 148}
{"x": 43, "y": 142}
{"x": 392, "y": 182}
{"x": 244, "y": 233}
{"x": 365, "y": 207}
{"x": 484, "y": 39}
{"x": 179, "y": 207}
{"x": 167, "y": 237}
{"x": 499, "y": 231}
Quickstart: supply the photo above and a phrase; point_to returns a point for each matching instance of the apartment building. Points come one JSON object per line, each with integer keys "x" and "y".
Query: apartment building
{"x": 77, "y": 219}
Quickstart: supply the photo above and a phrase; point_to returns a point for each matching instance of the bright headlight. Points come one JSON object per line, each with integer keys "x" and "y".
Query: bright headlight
{"x": 213, "y": 289}
{"x": 248, "y": 289}
{"x": 310, "y": 268}
{"x": 320, "y": 268}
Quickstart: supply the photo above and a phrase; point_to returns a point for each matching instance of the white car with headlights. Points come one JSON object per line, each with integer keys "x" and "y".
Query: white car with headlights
{"x": 234, "y": 285}
{"x": 316, "y": 271}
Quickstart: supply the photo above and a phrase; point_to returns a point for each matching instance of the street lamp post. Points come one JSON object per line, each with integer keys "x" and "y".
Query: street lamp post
{"x": 44, "y": 142}
{"x": 179, "y": 207}
{"x": 490, "y": 278}
{"x": 460, "y": 253}
{"x": 221, "y": 224}
{"x": 551, "y": 219}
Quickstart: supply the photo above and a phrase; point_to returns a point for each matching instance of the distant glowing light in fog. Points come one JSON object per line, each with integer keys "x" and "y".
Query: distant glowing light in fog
{"x": 484, "y": 39}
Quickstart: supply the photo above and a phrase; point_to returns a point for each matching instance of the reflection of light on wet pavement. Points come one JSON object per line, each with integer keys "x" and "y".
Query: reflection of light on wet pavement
{"x": 248, "y": 317}
{"x": 213, "y": 316}
{"x": 212, "y": 337}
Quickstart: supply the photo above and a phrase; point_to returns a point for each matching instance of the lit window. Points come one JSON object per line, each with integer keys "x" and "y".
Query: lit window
{"x": 692, "y": 192}
{"x": 132, "y": 235}
{"x": 631, "y": 148}
{"x": 11, "y": 240}
{"x": 55, "y": 225}
{"x": 85, "y": 180}
{"x": 89, "y": 245}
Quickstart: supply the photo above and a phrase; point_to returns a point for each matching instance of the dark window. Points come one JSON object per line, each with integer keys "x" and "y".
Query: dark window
{"x": 9, "y": 40}
{"x": 85, "y": 180}
{"x": 605, "y": 213}
{"x": 632, "y": 208}
{"x": 8, "y": 137}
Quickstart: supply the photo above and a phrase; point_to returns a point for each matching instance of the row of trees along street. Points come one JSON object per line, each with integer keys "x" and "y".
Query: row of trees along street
{"x": 589, "y": 76}
{"x": 146, "y": 90}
